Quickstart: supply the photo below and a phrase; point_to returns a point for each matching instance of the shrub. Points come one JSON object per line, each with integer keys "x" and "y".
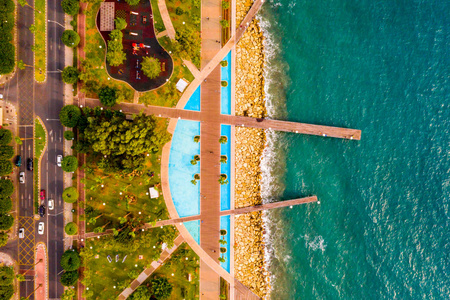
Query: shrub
{"x": 6, "y": 275}
{"x": 69, "y": 115}
{"x": 115, "y": 55}
{"x": 161, "y": 288}
{"x": 151, "y": 67}
{"x": 6, "y": 292}
{"x": 70, "y": 260}
{"x": 5, "y": 167}
{"x": 3, "y": 238}
{"x": 120, "y": 23}
{"x": 6, "y": 152}
{"x": 69, "y": 135}
{"x": 179, "y": 11}
{"x": 69, "y": 278}
{"x": 70, "y": 38}
{"x": 71, "y": 228}
{"x": 70, "y": 195}
{"x": 6, "y": 188}
{"x": 5, "y": 136}
{"x": 224, "y": 23}
{"x": 225, "y": 4}
{"x": 132, "y": 2}
{"x": 224, "y": 63}
{"x": 223, "y": 140}
{"x": 69, "y": 163}
{"x": 108, "y": 96}
{"x": 70, "y": 7}
{"x": 224, "y": 83}
{"x": 6, "y": 221}
{"x": 5, "y": 205}
{"x": 70, "y": 75}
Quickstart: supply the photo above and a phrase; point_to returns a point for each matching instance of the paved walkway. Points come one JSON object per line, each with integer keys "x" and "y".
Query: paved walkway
{"x": 149, "y": 271}
{"x": 166, "y": 19}
{"x": 205, "y": 116}
{"x": 41, "y": 271}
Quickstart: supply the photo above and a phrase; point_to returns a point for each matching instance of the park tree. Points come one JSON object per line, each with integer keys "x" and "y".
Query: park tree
{"x": 5, "y": 205}
{"x": 69, "y": 135}
{"x": 70, "y": 115}
{"x": 141, "y": 293}
{"x": 70, "y": 260}
{"x": 3, "y": 238}
{"x": 5, "y": 136}
{"x": 70, "y": 38}
{"x": 6, "y": 221}
{"x": 151, "y": 67}
{"x": 6, "y": 188}
{"x": 70, "y": 194}
{"x": 160, "y": 288}
{"x": 68, "y": 294}
{"x": 69, "y": 163}
{"x": 6, "y": 292}
{"x": 6, "y": 275}
{"x": 107, "y": 96}
{"x": 188, "y": 42}
{"x": 224, "y": 23}
{"x": 71, "y": 228}
{"x": 115, "y": 55}
{"x": 5, "y": 167}
{"x": 125, "y": 143}
{"x": 70, "y": 75}
{"x": 7, "y": 55}
{"x": 6, "y": 152}
{"x": 69, "y": 278}
{"x": 70, "y": 7}
{"x": 120, "y": 23}
{"x": 225, "y": 4}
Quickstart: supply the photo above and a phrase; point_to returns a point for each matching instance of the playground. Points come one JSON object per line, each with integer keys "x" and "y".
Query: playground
{"x": 139, "y": 41}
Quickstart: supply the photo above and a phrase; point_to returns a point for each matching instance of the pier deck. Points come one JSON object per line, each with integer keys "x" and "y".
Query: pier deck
{"x": 203, "y": 116}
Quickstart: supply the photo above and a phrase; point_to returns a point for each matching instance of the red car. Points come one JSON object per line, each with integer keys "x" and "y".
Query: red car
{"x": 42, "y": 194}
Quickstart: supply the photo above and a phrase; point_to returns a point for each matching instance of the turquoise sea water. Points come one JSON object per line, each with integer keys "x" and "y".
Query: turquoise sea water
{"x": 382, "y": 228}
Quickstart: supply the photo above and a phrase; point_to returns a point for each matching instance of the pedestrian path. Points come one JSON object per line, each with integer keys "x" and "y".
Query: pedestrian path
{"x": 166, "y": 19}
{"x": 149, "y": 271}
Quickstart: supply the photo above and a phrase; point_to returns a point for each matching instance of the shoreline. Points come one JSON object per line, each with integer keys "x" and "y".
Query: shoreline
{"x": 250, "y": 262}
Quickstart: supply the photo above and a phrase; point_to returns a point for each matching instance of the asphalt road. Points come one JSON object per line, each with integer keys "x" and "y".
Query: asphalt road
{"x": 44, "y": 100}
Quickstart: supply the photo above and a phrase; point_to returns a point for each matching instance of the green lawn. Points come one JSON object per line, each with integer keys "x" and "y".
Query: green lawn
{"x": 39, "y": 145}
{"x": 40, "y": 56}
{"x": 101, "y": 276}
{"x": 168, "y": 95}
{"x": 159, "y": 24}
{"x": 181, "y": 268}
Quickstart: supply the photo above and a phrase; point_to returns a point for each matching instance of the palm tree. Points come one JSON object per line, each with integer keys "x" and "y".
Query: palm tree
{"x": 21, "y": 65}
{"x": 26, "y": 298}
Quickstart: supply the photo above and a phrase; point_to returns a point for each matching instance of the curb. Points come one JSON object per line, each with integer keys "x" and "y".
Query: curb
{"x": 43, "y": 150}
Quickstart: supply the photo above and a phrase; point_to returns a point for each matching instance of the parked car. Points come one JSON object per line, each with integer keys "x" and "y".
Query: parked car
{"x": 18, "y": 160}
{"x": 42, "y": 195}
{"x": 59, "y": 160}
{"x": 22, "y": 177}
{"x": 21, "y": 233}
{"x": 51, "y": 204}
{"x": 42, "y": 210}
{"x": 41, "y": 228}
{"x": 30, "y": 164}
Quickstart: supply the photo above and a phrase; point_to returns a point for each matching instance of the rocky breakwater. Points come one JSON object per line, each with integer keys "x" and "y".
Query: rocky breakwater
{"x": 249, "y": 248}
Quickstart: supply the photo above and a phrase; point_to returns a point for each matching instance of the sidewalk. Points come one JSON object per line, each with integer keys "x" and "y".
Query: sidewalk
{"x": 41, "y": 271}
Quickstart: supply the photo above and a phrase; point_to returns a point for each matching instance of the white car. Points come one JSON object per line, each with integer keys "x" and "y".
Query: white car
{"x": 21, "y": 233}
{"x": 51, "y": 204}
{"x": 59, "y": 160}
{"x": 22, "y": 177}
{"x": 41, "y": 228}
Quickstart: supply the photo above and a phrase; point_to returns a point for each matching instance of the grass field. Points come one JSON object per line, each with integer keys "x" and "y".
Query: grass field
{"x": 159, "y": 24}
{"x": 39, "y": 145}
{"x": 168, "y": 95}
{"x": 40, "y": 55}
